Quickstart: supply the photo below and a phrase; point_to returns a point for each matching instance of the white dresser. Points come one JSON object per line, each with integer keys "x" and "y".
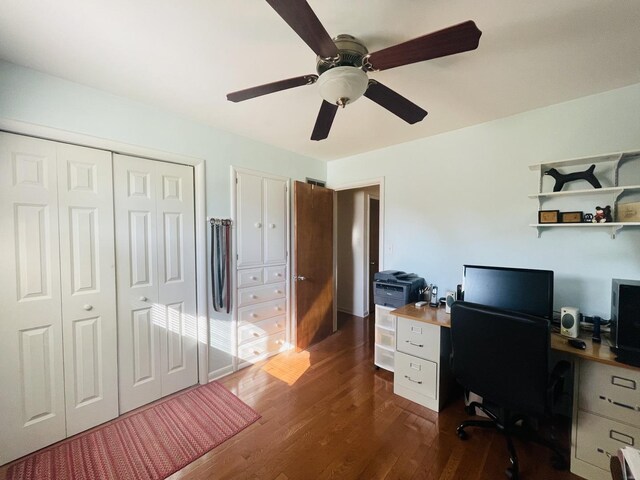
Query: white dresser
{"x": 421, "y": 363}
{"x": 606, "y": 416}
{"x": 385, "y": 338}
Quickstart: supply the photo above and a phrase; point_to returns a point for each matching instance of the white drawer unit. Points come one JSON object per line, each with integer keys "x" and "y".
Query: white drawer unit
{"x": 606, "y": 416}
{"x": 248, "y": 332}
{"x": 263, "y": 293}
{"x": 275, "y": 274}
{"x": 421, "y": 362}
{"x": 385, "y": 338}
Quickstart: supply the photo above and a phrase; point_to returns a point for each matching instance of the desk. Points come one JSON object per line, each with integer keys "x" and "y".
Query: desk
{"x": 606, "y": 394}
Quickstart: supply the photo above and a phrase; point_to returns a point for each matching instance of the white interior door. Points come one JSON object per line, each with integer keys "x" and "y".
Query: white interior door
{"x": 176, "y": 277}
{"x": 155, "y": 256}
{"x": 249, "y": 220}
{"x": 85, "y": 194}
{"x": 275, "y": 221}
{"x": 32, "y": 411}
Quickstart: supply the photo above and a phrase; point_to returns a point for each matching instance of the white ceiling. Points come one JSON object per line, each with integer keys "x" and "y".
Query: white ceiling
{"x": 184, "y": 56}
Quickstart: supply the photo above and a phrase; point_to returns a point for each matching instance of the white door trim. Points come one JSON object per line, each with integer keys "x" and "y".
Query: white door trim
{"x": 371, "y": 182}
{"x": 64, "y": 136}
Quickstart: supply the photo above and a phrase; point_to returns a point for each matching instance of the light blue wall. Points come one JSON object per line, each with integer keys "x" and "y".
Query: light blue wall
{"x": 461, "y": 198}
{"x": 37, "y": 98}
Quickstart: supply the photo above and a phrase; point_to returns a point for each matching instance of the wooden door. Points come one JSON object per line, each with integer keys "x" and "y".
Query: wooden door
{"x": 374, "y": 246}
{"x": 85, "y": 193}
{"x": 32, "y": 410}
{"x": 313, "y": 239}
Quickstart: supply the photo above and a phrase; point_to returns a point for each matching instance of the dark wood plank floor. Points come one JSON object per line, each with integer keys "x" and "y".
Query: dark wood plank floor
{"x": 328, "y": 414}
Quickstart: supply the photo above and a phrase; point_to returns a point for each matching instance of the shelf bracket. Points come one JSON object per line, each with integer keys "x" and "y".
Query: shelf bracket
{"x": 614, "y": 230}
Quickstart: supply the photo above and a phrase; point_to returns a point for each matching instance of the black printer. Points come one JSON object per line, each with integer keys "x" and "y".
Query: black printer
{"x": 393, "y": 288}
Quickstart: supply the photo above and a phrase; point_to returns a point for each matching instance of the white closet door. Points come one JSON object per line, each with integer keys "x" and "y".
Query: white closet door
{"x": 275, "y": 218}
{"x": 176, "y": 277}
{"x": 87, "y": 262}
{"x": 32, "y": 411}
{"x": 249, "y": 213}
{"x": 140, "y": 314}
{"x": 155, "y": 255}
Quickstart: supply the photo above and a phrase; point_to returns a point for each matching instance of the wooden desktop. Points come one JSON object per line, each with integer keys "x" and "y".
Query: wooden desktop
{"x": 606, "y": 397}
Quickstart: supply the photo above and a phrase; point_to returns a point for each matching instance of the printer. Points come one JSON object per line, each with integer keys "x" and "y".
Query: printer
{"x": 393, "y": 288}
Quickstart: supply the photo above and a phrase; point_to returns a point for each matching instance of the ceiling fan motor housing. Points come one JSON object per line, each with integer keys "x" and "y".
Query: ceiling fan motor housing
{"x": 351, "y": 51}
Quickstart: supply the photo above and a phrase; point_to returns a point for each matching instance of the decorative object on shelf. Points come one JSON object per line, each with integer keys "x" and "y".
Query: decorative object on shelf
{"x": 571, "y": 217}
{"x": 562, "y": 178}
{"x": 628, "y": 212}
{"x": 548, "y": 216}
{"x": 603, "y": 215}
{"x": 587, "y": 218}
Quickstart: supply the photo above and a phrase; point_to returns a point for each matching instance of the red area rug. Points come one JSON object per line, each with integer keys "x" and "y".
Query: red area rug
{"x": 149, "y": 444}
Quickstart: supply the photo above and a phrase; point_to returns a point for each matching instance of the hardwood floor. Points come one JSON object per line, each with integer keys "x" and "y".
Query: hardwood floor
{"x": 328, "y": 414}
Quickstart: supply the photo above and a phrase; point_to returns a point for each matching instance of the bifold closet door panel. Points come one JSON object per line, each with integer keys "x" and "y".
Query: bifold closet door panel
{"x": 155, "y": 256}
{"x": 177, "y": 276}
{"x": 140, "y": 314}
{"x": 32, "y": 409}
{"x": 87, "y": 260}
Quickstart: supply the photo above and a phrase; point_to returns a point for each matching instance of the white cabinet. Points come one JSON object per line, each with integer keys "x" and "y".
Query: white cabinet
{"x": 262, "y": 242}
{"x": 606, "y": 416}
{"x": 614, "y": 187}
{"x": 385, "y": 338}
{"x": 57, "y": 289}
{"x": 422, "y": 372}
{"x": 157, "y": 340}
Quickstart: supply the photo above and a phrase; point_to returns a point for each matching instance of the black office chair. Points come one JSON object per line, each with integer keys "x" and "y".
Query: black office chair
{"x": 503, "y": 356}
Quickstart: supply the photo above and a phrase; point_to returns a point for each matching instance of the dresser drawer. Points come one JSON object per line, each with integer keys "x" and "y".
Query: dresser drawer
{"x": 610, "y": 391}
{"x": 264, "y": 293}
{"x": 261, "y": 348}
{"x": 249, "y": 278}
{"x": 598, "y": 438}
{"x": 255, "y": 313}
{"x": 419, "y": 339}
{"x": 248, "y": 332}
{"x": 384, "y": 317}
{"x": 275, "y": 274}
{"x": 416, "y": 374}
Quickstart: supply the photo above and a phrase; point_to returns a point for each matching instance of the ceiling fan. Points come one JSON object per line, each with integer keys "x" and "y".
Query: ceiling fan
{"x": 343, "y": 63}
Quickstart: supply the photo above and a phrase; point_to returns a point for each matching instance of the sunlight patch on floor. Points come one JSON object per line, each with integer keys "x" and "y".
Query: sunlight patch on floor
{"x": 288, "y": 367}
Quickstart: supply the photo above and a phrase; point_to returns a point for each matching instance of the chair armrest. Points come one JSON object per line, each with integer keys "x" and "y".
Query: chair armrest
{"x": 556, "y": 381}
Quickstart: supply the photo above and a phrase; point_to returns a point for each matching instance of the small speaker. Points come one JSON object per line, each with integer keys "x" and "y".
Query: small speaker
{"x": 569, "y": 321}
{"x": 450, "y": 298}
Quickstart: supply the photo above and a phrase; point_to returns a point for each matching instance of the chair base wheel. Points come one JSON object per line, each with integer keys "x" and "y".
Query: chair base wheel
{"x": 462, "y": 435}
{"x": 512, "y": 474}
{"x": 469, "y": 410}
{"x": 558, "y": 462}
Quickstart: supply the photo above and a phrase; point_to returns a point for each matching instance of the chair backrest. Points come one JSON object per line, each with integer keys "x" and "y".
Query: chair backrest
{"x": 501, "y": 355}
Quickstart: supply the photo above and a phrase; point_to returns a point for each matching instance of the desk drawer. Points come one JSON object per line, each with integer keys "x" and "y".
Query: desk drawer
{"x": 419, "y": 339}
{"x": 264, "y": 293}
{"x": 598, "y": 438}
{"x": 610, "y": 391}
{"x": 248, "y": 332}
{"x": 416, "y": 374}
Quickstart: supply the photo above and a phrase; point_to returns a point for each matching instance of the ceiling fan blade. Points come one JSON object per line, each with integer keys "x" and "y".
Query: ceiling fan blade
{"x": 300, "y": 17}
{"x": 448, "y": 41}
{"x": 324, "y": 121}
{"x": 253, "y": 92}
{"x": 394, "y": 102}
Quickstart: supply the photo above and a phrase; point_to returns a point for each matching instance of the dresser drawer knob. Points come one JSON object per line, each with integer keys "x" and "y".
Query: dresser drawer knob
{"x": 253, "y": 296}
{"x": 254, "y": 315}
{"x": 256, "y": 334}
{"x": 253, "y": 278}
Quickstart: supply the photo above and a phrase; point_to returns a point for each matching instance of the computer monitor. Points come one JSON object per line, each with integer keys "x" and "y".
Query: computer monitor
{"x": 519, "y": 289}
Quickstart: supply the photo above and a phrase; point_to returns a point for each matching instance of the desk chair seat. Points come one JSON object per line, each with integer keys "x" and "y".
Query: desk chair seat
{"x": 503, "y": 356}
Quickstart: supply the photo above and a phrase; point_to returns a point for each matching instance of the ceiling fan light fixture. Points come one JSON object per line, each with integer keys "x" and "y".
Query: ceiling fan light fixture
{"x": 342, "y": 85}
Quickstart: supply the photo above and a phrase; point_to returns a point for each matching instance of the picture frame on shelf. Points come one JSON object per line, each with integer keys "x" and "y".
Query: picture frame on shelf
{"x": 548, "y": 216}
{"x": 571, "y": 217}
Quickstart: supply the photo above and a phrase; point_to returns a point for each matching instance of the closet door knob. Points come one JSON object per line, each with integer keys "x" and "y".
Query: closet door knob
{"x": 143, "y": 299}
{"x": 88, "y": 307}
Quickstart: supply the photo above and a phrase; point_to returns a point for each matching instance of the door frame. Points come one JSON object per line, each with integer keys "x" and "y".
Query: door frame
{"x": 199, "y": 184}
{"x": 371, "y": 182}
{"x": 367, "y": 250}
